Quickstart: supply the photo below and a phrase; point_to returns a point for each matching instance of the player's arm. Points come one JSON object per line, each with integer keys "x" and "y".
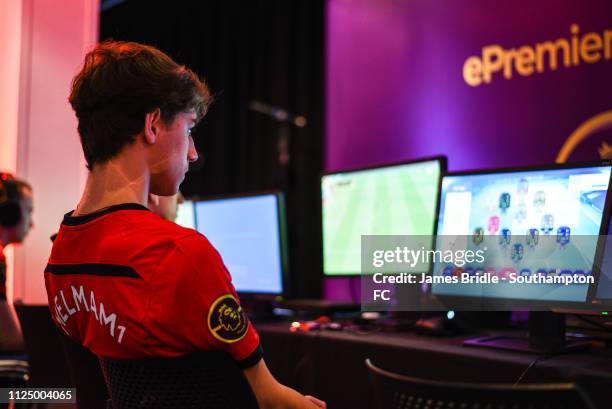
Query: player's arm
{"x": 271, "y": 394}
{"x": 227, "y": 327}
{"x": 11, "y": 339}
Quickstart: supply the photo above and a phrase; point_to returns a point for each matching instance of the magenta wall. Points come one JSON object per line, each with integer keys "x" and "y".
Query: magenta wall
{"x": 395, "y": 87}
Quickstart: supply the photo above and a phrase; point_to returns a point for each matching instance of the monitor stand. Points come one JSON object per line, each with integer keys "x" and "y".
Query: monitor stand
{"x": 258, "y": 309}
{"x": 546, "y": 336}
{"x": 317, "y": 306}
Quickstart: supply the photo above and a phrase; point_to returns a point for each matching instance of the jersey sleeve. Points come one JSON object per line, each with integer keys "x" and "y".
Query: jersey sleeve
{"x": 196, "y": 305}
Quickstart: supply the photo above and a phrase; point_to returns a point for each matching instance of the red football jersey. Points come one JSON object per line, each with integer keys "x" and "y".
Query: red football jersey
{"x": 127, "y": 284}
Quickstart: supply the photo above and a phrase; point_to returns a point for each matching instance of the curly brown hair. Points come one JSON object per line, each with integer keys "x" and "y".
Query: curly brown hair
{"x": 120, "y": 83}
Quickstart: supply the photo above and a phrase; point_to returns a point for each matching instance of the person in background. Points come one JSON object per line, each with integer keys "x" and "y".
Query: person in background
{"x": 15, "y": 223}
{"x": 165, "y": 206}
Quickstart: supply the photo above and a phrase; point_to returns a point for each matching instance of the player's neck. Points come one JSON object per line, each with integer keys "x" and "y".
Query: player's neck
{"x": 123, "y": 179}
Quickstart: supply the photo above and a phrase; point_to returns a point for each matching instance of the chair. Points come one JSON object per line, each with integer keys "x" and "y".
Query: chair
{"x": 85, "y": 375}
{"x": 210, "y": 380}
{"x": 48, "y": 367}
{"x": 14, "y": 372}
{"x": 394, "y": 391}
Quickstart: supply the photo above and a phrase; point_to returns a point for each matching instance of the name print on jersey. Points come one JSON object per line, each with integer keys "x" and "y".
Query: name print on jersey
{"x": 68, "y": 303}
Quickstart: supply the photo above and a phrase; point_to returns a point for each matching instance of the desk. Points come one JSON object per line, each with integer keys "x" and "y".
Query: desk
{"x": 330, "y": 365}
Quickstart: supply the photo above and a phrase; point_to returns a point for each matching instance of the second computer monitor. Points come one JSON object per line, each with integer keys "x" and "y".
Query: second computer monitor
{"x": 248, "y": 232}
{"x": 397, "y": 199}
{"x": 529, "y": 225}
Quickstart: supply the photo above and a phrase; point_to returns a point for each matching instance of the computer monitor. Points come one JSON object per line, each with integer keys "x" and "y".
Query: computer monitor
{"x": 185, "y": 214}
{"x": 248, "y": 231}
{"x": 601, "y": 294}
{"x": 540, "y": 221}
{"x": 397, "y": 199}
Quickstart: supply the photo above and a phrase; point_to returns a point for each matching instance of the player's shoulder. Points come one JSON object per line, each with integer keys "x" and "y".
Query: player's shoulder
{"x": 157, "y": 227}
{"x": 131, "y": 227}
{"x": 178, "y": 245}
{"x": 194, "y": 242}
{"x": 182, "y": 237}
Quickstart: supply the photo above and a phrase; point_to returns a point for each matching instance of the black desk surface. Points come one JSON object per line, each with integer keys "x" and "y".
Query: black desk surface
{"x": 330, "y": 364}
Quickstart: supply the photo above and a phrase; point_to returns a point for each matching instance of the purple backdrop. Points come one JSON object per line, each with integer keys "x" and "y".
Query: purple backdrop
{"x": 395, "y": 85}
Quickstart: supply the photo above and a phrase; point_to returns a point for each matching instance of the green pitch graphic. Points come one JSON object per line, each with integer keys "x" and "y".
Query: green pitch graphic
{"x": 398, "y": 200}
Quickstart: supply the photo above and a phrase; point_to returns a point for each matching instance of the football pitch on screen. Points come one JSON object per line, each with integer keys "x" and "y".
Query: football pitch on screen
{"x": 388, "y": 201}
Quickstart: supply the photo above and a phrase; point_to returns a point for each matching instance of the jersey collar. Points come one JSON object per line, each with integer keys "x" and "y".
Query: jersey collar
{"x": 70, "y": 220}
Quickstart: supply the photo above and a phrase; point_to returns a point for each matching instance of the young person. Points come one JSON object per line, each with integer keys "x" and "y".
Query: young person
{"x": 122, "y": 281}
{"x": 15, "y": 223}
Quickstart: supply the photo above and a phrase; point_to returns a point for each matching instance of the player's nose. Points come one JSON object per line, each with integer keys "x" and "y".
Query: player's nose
{"x": 192, "y": 154}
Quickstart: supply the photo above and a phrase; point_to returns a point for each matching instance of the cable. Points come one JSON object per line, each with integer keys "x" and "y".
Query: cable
{"x": 362, "y": 332}
{"x": 563, "y": 350}
{"x": 593, "y": 322}
{"x": 531, "y": 365}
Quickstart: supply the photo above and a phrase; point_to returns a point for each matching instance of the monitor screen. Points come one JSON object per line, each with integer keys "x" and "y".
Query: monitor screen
{"x": 247, "y": 232}
{"x": 391, "y": 200}
{"x": 531, "y": 223}
{"x": 185, "y": 214}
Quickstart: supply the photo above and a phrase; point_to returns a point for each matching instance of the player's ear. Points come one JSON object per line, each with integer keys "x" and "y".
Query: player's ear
{"x": 152, "y": 125}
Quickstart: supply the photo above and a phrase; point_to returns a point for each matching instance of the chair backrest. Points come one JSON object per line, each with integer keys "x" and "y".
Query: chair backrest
{"x": 210, "y": 380}
{"x": 48, "y": 367}
{"x": 85, "y": 375}
{"x": 394, "y": 391}
{"x": 14, "y": 372}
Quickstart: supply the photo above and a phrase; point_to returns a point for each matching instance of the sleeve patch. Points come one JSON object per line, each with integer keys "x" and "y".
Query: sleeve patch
{"x": 226, "y": 319}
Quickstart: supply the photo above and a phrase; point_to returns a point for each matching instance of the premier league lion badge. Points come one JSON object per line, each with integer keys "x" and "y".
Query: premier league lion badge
{"x": 226, "y": 319}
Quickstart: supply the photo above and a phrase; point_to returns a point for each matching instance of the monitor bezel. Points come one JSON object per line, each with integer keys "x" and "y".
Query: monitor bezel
{"x": 282, "y": 236}
{"x": 498, "y": 304}
{"x": 443, "y": 163}
{"x": 594, "y": 305}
